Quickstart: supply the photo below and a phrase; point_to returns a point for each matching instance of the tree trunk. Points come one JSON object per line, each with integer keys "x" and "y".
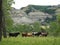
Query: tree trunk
{"x": 0, "y": 20}
{"x": 4, "y": 28}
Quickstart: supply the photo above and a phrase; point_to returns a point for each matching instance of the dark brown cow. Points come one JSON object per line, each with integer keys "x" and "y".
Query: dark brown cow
{"x": 24, "y": 34}
{"x": 44, "y": 34}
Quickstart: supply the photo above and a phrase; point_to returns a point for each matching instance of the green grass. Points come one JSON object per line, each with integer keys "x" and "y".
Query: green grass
{"x": 31, "y": 41}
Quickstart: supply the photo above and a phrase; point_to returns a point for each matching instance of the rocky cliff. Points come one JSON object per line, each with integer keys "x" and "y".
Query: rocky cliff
{"x": 33, "y": 13}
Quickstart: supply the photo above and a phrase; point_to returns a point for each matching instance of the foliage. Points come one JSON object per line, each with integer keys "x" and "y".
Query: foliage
{"x": 21, "y": 28}
{"x": 55, "y": 27}
{"x": 58, "y": 24}
{"x": 25, "y": 27}
{"x": 36, "y": 26}
{"x": 46, "y": 9}
{"x": 6, "y": 6}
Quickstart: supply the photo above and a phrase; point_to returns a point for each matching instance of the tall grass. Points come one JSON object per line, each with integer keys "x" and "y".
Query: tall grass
{"x": 31, "y": 41}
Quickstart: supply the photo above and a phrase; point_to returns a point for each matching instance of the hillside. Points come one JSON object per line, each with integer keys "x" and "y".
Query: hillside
{"x": 33, "y": 8}
{"x": 34, "y": 13}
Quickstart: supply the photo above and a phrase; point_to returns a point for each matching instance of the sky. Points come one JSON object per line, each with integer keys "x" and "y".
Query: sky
{"x": 22, "y": 3}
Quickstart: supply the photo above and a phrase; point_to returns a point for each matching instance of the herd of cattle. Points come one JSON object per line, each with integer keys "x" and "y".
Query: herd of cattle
{"x": 28, "y": 34}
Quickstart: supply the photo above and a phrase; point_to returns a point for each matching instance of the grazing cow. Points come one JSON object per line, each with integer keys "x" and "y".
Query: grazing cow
{"x": 44, "y": 34}
{"x": 40, "y": 34}
{"x": 36, "y": 33}
{"x": 14, "y": 34}
{"x": 25, "y": 34}
{"x": 29, "y": 34}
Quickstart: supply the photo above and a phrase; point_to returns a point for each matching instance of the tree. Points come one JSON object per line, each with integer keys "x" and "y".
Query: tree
{"x": 1, "y": 19}
{"x": 58, "y": 25}
{"x": 36, "y": 26}
{"x": 6, "y": 6}
{"x": 55, "y": 27}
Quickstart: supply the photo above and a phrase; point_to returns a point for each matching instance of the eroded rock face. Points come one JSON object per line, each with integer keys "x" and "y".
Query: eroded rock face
{"x": 39, "y": 15}
{"x": 31, "y": 17}
{"x": 20, "y": 16}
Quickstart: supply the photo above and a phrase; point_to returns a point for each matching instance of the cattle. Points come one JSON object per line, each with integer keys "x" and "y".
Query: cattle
{"x": 40, "y": 34}
{"x": 44, "y": 34}
{"x": 26, "y": 34}
{"x": 29, "y": 34}
{"x": 36, "y": 33}
{"x": 13, "y": 34}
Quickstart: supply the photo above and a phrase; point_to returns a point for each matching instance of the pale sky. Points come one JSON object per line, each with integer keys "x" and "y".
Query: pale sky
{"x": 22, "y": 3}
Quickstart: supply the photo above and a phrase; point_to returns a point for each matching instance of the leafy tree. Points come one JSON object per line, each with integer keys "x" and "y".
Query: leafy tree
{"x": 55, "y": 27}
{"x": 24, "y": 28}
{"x": 58, "y": 25}
{"x": 6, "y": 6}
{"x": 36, "y": 26}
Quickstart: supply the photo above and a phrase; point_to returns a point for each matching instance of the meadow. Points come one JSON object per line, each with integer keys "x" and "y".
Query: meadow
{"x": 30, "y": 41}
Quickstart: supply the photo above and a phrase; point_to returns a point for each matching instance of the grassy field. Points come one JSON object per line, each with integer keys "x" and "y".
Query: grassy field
{"x": 31, "y": 41}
